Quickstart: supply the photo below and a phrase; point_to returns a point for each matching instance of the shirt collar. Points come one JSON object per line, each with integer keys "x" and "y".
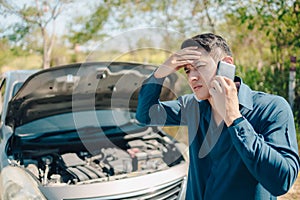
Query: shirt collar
{"x": 244, "y": 94}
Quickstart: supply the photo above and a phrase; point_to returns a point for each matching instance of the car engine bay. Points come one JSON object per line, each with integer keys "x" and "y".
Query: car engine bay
{"x": 127, "y": 156}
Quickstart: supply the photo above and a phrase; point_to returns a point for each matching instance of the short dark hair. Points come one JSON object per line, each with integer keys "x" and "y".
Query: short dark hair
{"x": 212, "y": 43}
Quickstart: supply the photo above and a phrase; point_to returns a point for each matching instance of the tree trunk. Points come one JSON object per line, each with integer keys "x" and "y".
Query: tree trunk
{"x": 47, "y": 47}
{"x": 46, "y": 60}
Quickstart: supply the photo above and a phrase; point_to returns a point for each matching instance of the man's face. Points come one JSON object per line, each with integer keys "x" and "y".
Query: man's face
{"x": 200, "y": 74}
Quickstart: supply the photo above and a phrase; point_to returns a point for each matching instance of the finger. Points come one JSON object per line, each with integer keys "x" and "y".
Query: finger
{"x": 229, "y": 81}
{"x": 188, "y": 52}
{"x": 189, "y": 56}
{"x": 224, "y": 81}
{"x": 190, "y": 47}
{"x": 217, "y": 86}
{"x": 180, "y": 64}
{"x": 212, "y": 91}
{"x": 191, "y": 51}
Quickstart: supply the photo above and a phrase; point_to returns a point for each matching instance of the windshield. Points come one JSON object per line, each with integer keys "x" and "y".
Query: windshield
{"x": 77, "y": 120}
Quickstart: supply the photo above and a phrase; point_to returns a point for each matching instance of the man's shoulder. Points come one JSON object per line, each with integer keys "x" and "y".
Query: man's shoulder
{"x": 266, "y": 99}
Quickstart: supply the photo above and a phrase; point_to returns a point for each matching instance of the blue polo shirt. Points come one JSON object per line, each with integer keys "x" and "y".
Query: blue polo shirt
{"x": 255, "y": 158}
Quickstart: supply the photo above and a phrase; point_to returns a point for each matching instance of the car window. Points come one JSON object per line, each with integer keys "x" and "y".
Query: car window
{"x": 17, "y": 86}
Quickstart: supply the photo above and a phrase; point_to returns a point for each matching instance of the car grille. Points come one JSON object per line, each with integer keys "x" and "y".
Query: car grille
{"x": 170, "y": 191}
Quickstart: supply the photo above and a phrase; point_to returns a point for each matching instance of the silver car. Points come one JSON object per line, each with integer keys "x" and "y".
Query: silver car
{"x": 69, "y": 132}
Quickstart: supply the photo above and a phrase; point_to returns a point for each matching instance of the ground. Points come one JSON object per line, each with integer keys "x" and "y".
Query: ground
{"x": 294, "y": 192}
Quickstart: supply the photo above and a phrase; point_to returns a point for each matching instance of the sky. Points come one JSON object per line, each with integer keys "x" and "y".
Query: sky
{"x": 76, "y": 9}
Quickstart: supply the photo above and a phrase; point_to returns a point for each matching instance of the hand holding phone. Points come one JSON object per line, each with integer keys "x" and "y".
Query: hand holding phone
{"x": 224, "y": 93}
{"x": 226, "y": 69}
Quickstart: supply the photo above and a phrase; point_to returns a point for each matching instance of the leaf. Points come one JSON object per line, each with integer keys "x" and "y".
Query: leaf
{"x": 250, "y": 26}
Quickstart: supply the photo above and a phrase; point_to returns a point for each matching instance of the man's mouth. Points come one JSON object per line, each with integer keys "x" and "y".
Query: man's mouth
{"x": 197, "y": 87}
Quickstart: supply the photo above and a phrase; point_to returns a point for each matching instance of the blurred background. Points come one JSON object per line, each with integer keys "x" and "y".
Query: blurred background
{"x": 264, "y": 36}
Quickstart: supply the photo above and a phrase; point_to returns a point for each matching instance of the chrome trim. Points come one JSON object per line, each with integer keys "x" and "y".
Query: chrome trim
{"x": 160, "y": 192}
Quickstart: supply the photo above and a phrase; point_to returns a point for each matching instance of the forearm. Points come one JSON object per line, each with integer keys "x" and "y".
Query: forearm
{"x": 151, "y": 111}
{"x": 148, "y": 96}
{"x": 275, "y": 167}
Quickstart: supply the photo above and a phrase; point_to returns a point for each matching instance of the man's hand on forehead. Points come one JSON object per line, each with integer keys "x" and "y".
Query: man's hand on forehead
{"x": 186, "y": 56}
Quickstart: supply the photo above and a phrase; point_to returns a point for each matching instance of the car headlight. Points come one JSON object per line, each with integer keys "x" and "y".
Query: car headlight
{"x": 16, "y": 184}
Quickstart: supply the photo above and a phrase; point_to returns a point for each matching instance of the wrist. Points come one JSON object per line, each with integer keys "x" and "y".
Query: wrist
{"x": 236, "y": 121}
{"x": 156, "y": 74}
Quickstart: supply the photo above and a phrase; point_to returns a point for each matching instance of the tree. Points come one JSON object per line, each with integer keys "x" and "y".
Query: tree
{"x": 272, "y": 34}
{"x": 186, "y": 17}
{"x": 34, "y": 15}
{"x": 84, "y": 29}
{"x": 278, "y": 20}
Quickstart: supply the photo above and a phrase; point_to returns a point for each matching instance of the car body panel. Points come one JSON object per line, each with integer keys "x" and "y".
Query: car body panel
{"x": 12, "y": 79}
{"x": 143, "y": 185}
{"x": 79, "y": 86}
{"x": 69, "y": 132}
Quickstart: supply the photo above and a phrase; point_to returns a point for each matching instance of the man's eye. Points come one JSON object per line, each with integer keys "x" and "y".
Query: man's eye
{"x": 187, "y": 70}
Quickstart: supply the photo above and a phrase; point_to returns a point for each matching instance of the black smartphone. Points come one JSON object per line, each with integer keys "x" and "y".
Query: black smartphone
{"x": 226, "y": 69}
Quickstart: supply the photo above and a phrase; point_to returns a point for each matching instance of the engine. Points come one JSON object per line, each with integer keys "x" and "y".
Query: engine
{"x": 138, "y": 156}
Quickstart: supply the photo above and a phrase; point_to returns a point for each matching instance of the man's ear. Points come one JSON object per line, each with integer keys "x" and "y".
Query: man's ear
{"x": 228, "y": 59}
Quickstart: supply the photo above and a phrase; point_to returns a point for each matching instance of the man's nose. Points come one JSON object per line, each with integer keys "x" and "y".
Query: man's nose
{"x": 194, "y": 75}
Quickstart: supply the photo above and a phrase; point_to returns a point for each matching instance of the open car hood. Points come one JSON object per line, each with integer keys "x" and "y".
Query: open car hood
{"x": 81, "y": 87}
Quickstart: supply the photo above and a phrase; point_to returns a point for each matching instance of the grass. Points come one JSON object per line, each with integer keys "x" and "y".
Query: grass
{"x": 22, "y": 62}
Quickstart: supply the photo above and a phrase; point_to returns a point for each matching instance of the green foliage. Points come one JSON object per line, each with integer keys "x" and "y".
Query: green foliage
{"x": 278, "y": 20}
{"x": 273, "y": 80}
{"x": 19, "y": 31}
{"x": 266, "y": 34}
{"x": 268, "y": 79}
{"x": 90, "y": 27}
{"x": 297, "y": 98}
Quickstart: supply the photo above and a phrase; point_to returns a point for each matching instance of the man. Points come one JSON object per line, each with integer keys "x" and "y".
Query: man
{"x": 242, "y": 143}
